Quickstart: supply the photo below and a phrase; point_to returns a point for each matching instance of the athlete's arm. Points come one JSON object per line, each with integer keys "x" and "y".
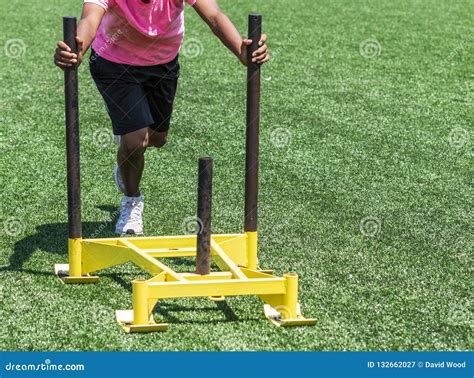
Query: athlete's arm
{"x": 225, "y": 30}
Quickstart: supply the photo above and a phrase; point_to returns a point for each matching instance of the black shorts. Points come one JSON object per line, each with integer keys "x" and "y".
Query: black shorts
{"x": 136, "y": 96}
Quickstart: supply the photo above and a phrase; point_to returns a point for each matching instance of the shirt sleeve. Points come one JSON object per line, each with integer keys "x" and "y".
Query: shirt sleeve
{"x": 103, "y": 3}
{"x": 191, "y": 2}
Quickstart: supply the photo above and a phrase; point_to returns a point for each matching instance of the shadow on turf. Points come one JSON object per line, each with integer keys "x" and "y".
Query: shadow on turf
{"x": 52, "y": 238}
{"x": 165, "y": 309}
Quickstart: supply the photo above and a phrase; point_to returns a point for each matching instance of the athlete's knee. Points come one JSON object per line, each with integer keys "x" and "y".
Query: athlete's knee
{"x": 158, "y": 140}
{"x": 134, "y": 144}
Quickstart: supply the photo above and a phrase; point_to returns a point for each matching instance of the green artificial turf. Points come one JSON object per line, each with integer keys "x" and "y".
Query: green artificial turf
{"x": 366, "y": 179}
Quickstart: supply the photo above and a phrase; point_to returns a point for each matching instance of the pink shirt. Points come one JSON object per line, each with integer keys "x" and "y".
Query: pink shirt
{"x": 140, "y": 32}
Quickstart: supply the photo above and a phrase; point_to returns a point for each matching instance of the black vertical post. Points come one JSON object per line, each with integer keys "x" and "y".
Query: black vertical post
{"x": 72, "y": 134}
{"x": 253, "y": 121}
{"x": 204, "y": 207}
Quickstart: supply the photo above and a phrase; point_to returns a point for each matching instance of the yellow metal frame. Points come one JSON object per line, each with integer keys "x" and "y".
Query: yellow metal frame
{"x": 234, "y": 254}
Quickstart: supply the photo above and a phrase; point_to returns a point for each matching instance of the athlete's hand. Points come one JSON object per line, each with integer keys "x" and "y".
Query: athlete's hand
{"x": 260, "y": 55}
{"x": 64, "y": 57}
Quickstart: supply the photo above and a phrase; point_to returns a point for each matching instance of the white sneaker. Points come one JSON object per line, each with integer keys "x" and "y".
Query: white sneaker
{"x": 118, "y": 179}
{"x": 131, "y": 216}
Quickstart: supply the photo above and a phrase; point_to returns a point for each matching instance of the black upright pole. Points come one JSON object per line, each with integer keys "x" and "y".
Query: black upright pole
{"x": 72, "y": 134}
{"x": 204, "y": 207}
{"x": 253, "y": 121}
